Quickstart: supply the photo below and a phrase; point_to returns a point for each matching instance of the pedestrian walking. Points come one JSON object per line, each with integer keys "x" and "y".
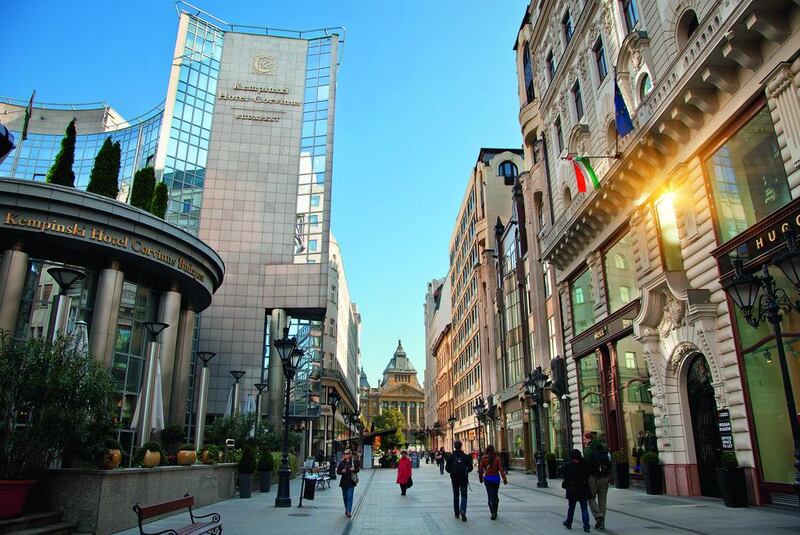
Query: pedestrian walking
{"x": 490, "y": 472}
{"x": 440, "y": 460}
{"x": 404, "y": 473}
{"x": 459, "y": 465}
{"x": 576, "y": 482}
{"x": 598, "y": 460}
{"x": 348, "y": 468}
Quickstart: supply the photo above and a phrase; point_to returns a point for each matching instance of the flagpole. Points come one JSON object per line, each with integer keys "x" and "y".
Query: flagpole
{"x": 24, "y": 136}
{"x": 616, "y": 130}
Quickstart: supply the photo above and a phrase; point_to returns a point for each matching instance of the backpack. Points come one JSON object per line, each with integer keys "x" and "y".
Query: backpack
{"x": 601, "y": 464}
{"x": 460, "y": 467}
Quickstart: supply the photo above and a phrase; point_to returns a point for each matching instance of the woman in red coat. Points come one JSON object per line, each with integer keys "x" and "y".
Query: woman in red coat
{"x": 404, "y": 473}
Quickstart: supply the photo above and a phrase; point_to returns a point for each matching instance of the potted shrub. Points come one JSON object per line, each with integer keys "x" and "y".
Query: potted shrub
{"x": 731, "y": 481}
{"x": 209, "y": 454}
{"x": 56, "y": 401}
{"x": 149, "y": 455}
{"x": 620, "y": 469}
{"x": 110, "y": 454}
{"x": 552, "y": 465}
{"x": 653, "y": 473}
{"x": 247, "y": 467}
{"x": 186, "y": 455}
{"x": 171, "y": 436}
{"x": 266, "y": 466}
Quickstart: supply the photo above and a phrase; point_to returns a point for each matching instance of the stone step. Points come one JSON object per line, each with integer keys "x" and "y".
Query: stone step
{"x": 56, "y": 528}
{"x": 29, "y": 521}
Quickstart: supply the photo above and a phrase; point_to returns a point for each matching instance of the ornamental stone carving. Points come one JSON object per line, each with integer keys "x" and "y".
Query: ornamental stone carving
{"x": 608, "y": 16}
{"x": 673, "y": 314}
{"x": 679, "y": 355}
{"x": 780, "y": 81}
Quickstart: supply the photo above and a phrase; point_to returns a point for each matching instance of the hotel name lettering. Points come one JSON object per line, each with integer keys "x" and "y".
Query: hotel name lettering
{"x": 98, "y": 234}
{"x": 263, "y": 95}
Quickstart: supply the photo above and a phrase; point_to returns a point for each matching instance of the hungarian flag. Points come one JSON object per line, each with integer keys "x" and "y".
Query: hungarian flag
{"x": 28, "y": 113}
{"x": 583, "y": 171}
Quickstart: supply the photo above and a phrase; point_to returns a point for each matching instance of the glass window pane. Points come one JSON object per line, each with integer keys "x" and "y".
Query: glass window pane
{"x": 590, "y": 394}
{"x": 668, "y": 230}
{"x": 620, "y": 273}
{"x": 582, "y": 299}
{"x": 747, "y": 176}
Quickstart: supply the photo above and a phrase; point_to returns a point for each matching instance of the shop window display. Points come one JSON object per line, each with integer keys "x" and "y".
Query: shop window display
{"x": 637, "y": 401}
{"x": 590, "y": 394}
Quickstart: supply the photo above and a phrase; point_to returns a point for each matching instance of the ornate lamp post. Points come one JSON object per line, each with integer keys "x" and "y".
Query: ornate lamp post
{"x": 202, "y": 399}
{"x": 149, "y": 386}
{"x": 355, "y": 420}
{"x": 290, "y": 356}
{"x": 534, "y": 384}
{"x": 746, "y": 292}
{"x": 452, "y": 422}
{"x": 333, "y": 402}
{"x": 480, "y": 416}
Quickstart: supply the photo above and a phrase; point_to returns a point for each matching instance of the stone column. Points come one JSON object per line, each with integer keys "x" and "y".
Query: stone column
{"x": 183, "y": 365}
{"x": 277, "y": 382}
{"x": 169, "y": 313}
{"x": 13, "y": 270}
{"x": 784, "y": 107}
{"x": 103, "y": 333}
{"x": 595, "y": 262}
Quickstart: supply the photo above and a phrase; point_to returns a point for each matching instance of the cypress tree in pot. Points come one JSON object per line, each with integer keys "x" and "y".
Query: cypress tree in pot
{"x": 653, "y": 473}
{"x": 621, "y": 470}
{"x": 731, "y": 481}
{"x": 266, "y": 466}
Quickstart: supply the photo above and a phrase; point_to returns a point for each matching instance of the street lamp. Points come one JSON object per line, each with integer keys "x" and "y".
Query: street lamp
{"x": 480, "y": 416}
{"x": 260, "y": 387}
{"x": 333, "y": 402}
{"x": 237, "y": 374}
{"x": 202, "y": 399}
{"x": 290, "y": 356}
{"x": 534, "y": 384}
{"x": 452, "y": 422}
{"x": 745, "y": 291}
{"x": 59, "y": 311}
{"x": 148, "y": 391}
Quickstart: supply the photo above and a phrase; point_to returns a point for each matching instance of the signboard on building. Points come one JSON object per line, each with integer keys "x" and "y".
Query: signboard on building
{"x": 725, "y": 429}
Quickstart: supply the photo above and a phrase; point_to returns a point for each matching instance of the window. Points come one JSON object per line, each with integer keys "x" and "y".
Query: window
{"x": 624, "y": 294}
{"x": 582, "y": 302}
{"x": 747, "y": 177}
{"x": 508, "y": 170}
{"x": 668, "y": 233}
{"x": 315, "y": 201}
{"x": 312, "y": 245}
{"x": 620, "y": 262}
{"x": 527, "y": 70}
{"x": 559, "y": 135}
{"x": 551, "y": 65}
{"x": 645, "y": 86}
{"x": 540, "y": 210}
{"x": 631, "y": 14}
{"x": 551, "y": 336}
{"x": 630, "y": 359}
{"x": 600, "y": 59}
{"x": 576, "y": 98}
{"x": 567, "y": 197}
{"x": 687, "y": 25}
{"x": 548, "y": 289}
{"x": 566, "y": 24}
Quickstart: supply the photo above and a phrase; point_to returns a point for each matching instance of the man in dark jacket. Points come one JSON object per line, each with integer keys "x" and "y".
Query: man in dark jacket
{"x": 459, "y": 465}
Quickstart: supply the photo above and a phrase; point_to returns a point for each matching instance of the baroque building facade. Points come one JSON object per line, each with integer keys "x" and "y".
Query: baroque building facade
{"x": 629, "y": 276}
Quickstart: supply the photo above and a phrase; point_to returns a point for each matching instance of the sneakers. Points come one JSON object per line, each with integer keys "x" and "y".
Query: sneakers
{"x": 348, "y": 515}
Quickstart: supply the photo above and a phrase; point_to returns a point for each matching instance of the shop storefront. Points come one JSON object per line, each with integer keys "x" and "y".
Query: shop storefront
{"x": 754, "y": 210}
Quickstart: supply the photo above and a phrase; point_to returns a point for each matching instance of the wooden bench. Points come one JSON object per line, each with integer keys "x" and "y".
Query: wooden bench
{"x": 212, "y": 525}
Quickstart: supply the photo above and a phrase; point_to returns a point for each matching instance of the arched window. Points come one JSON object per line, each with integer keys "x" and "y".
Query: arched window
{"x": 687, "y": 25}
{"x": 567, "y": 197}
{"x": 620, "y": 262}
{"x": 645, "y": 86}
{"x": 509, "y": 172}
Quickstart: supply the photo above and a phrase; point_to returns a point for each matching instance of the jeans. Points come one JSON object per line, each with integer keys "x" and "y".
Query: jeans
{"x": 459, "y": 487}
{"x": 347, "y": 495}
{"x": 441, "y": 467}
{"x": 599, "y": 488}
{"x": 584, "y": 513}
{"x": 492, "y": 489}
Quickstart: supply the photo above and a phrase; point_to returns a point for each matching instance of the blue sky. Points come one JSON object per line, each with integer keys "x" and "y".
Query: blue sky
{"x": 423, "y": 85}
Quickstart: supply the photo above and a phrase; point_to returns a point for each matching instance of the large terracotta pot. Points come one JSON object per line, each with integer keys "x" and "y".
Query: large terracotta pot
{"x": 151, "y": 459}
{"x": 111, "y": 460}
{"x": 186, "y": 457}
{"x": 12, "y": 497}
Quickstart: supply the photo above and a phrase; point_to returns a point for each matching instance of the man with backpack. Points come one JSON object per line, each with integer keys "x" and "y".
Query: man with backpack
{"x": 459, "y": 465}
{"x": 598, "y": 460}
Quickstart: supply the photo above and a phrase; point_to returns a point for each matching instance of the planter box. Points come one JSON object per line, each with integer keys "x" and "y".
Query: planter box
{"x": 101, "y": 500}
{"x": 732, "y": 486}
{"x": 653, "y": 478}
{"x": 622, "y": 475}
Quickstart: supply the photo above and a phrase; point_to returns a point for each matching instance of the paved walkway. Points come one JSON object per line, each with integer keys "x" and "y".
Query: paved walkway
{"x": 380, "y": 509}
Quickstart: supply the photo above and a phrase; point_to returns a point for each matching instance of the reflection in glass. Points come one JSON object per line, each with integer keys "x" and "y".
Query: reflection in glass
{"x": 582, "y": 300}
{"x": 620, "y": 273}
{"x": 637, "y": 402}
{"x": 591, "y": 394}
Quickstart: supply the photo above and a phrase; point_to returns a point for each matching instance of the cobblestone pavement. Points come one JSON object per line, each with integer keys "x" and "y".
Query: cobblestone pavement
{"x": 379, "y": 509}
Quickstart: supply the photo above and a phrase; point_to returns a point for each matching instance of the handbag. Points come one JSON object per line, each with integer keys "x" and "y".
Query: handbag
{"x": 410, "y": 483}
{"x": 354, "y": 477}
